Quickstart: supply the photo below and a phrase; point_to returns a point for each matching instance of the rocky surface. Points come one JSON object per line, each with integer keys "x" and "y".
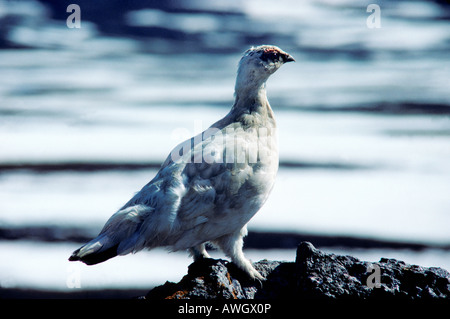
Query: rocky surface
{"x": 313, "y": 275}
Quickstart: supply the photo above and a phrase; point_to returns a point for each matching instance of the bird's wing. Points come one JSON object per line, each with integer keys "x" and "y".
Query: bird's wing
{"x": 194, "y": 186}
{"x": 214, "y": 180}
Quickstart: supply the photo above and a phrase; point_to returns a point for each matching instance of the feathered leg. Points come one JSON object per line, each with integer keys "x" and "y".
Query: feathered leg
{"x": 199, "y": 252}
{"x": 231, "y": 245}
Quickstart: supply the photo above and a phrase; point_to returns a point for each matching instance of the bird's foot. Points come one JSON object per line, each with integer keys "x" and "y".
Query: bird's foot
{"x": 199, "y": 252}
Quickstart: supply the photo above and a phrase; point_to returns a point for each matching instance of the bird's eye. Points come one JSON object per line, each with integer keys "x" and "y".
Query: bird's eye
{"x": 269, "y": 55}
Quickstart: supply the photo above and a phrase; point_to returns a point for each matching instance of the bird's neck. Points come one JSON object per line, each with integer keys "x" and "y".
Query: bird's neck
{"x": 251, "y": 105}
{"x": 250, "y": 84}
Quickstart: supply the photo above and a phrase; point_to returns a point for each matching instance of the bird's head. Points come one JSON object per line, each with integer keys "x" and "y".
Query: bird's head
{"x": 258, "y": 63}
{"x": 265, "y": 58}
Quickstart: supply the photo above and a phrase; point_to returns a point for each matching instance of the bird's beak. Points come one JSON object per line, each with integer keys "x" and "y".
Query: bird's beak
{"x": 288, "y": 58}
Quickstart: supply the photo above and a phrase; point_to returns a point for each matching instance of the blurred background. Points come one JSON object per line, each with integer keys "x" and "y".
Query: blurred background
{"x": 88, "y": 114}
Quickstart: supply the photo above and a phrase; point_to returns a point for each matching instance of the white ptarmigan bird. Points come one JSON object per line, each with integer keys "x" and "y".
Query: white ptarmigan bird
{"x": 210, "y": 186}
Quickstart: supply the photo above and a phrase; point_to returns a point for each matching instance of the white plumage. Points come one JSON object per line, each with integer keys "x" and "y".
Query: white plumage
{"x": 210, "y": 186}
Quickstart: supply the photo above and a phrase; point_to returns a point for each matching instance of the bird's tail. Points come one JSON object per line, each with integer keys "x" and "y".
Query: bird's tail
{"x": 95, "y": 251}
{"x": 120, "y": 236}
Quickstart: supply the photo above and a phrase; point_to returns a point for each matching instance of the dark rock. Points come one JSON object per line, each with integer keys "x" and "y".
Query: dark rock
{"x": 214, "y": 279}
{"x": 314, "y": 275}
